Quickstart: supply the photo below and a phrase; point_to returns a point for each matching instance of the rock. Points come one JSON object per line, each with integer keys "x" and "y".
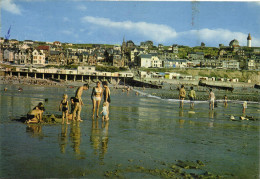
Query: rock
{"x": 232, "y": 118}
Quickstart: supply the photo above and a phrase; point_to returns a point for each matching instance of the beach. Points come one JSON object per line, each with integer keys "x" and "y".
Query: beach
{"x": 147, "y": 136}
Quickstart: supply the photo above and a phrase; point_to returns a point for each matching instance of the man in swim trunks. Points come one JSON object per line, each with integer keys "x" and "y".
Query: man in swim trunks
{"x": 182, "y": 95}
{"x": 192, "y": 96}
{"x": 78, "y": 102}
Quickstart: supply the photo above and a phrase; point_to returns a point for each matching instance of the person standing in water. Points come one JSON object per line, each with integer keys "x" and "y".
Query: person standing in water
{"x": 192, "y": 96}
{"x": 244, "y": 107}
{"x": 96, "y": 97}
{"x": 212, "y": 98}
{"x": 64, "y": 107}
{"x": 182, "y": 95}
{"x": 78, "y": 102}
{"x": 106, "y": 96}
{"x": 225, "y": 100}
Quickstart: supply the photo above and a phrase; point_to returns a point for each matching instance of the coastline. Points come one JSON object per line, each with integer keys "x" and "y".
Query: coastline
{"x": 242, "y": 91}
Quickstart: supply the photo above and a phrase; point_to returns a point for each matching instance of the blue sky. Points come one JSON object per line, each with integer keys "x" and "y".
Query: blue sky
{"x": 183, "y": 23}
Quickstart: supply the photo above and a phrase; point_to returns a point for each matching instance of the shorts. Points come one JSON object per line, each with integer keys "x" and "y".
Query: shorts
{"x": 212, "y": 100}
{"x": 191, "y": 98}
{"x": 64, "y": 109}
{"x": 76, "y": 100}
{"x": 97, "y": 98}
{"x": 29, "y": 116}
{"x": 104, "y": 114}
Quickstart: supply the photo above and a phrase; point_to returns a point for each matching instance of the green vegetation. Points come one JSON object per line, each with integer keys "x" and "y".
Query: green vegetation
{"x": 110, "y": 68}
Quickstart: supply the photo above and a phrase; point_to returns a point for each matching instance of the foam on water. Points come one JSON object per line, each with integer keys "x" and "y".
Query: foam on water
{"x": 187, "y": 101}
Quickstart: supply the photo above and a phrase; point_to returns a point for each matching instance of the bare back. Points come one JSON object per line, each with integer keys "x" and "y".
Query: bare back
{"x": 79, "y": 92}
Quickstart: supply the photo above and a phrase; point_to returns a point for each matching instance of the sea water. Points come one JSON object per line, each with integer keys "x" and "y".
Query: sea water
{"x": 143, "y": 130}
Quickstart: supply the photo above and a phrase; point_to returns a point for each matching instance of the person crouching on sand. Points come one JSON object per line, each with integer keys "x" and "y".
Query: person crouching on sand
{"x": 64, "y": 107}
{"x": 35, "y": 115}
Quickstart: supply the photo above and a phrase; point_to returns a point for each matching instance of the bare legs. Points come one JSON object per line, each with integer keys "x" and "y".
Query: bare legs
{"x": 95, "y": 104}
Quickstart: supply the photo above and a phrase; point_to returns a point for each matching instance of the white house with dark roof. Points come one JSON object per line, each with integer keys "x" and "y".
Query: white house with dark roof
{"x": 144, "y": 60}
{"x": 38, "y": 57}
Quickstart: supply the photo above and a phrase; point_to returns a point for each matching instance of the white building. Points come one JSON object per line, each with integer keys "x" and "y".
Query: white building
{"x": 38, "y": 57}
{"x": 145, "y": 60}
{"x": 249, "y": 39}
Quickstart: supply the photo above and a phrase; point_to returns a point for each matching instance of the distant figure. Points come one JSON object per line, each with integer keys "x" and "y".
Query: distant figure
{"x": 96, "y": 97}
{"x": 211, "y": 99}
{"x": 106, "y": 96}
{"x": 225, "y": 100}
{"x": 182, "y": 95}
{"x": 78, "y": 102}
{"x": 136, "y": 93}
{"x": 104, "y": 112}
{"x": 64, "y": 107}
{"x": 5, "y": 89}
{"x": 35, "y": 115}
{"x": 244, "y": 106}
{"x": 192, "y": 96}
{"x": 20, "y": 89}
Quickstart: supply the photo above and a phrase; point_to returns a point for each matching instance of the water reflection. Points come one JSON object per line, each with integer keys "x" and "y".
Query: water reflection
{"x": 35, "y": 130}
{"x": 75, "y": 136}
{"x": 99, "y": 138}
{"x": 63, "y": 138}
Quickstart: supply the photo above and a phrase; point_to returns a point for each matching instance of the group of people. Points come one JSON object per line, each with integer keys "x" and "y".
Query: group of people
{"x": 77, "y": 102}
{"x": 192, "y": 97}
{"x": 35, "y": 115}
{"x": 212, "y": 98}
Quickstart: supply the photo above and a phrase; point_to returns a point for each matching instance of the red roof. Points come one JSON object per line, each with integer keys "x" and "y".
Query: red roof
{"x": 43, "y": 47}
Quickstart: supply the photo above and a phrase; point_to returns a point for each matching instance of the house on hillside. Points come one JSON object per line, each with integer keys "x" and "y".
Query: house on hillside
{"x": 144, "y": 60}
{"x": 38, "y": 57}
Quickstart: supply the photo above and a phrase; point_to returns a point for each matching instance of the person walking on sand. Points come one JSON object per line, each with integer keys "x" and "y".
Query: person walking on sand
{"x": 212, "y": 98}
{"x": 64, "y": 107}
{"x": 192, "y": 96}
{"x": 106, "y": 96}
{"x": 78, "y": 102}
{"x": 182, "y": 95}
{"x": 96, "y": 98}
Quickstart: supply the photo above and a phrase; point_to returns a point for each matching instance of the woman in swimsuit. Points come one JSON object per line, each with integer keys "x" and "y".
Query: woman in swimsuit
{"x": 96, "y": 97}
{"x": 64, "y": 107}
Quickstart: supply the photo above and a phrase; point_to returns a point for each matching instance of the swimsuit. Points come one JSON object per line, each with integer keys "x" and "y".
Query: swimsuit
{"x": 64, "y": 106}
{"x": 104, "y": 111}
{"x": 108, "y": 97}
{"x": 97, "y": 92}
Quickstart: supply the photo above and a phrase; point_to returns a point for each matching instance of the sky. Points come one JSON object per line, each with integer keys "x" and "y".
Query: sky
{"x": 108, "y": 22}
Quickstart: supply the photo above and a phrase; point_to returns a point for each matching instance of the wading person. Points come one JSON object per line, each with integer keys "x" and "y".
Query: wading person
{"x": 225, "y": 100}
{"x": 182, "y": 95}
{"x": 96, "y": 98}
{"x": 244, "y": 107}
{"x": 106, "y": 93}
{"x": 78, "y": 102}
{"x": 212, "y": 98}
{"x": 192, "y": 96}
{"x": 64, "y": 107}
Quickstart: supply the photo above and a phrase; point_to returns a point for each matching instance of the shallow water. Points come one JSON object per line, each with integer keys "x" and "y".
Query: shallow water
{"x": 143, "y": 130}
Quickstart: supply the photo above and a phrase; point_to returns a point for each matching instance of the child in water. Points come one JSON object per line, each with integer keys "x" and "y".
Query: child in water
{"x": 104, "y": 112}
{"x": 64, "y": 107}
